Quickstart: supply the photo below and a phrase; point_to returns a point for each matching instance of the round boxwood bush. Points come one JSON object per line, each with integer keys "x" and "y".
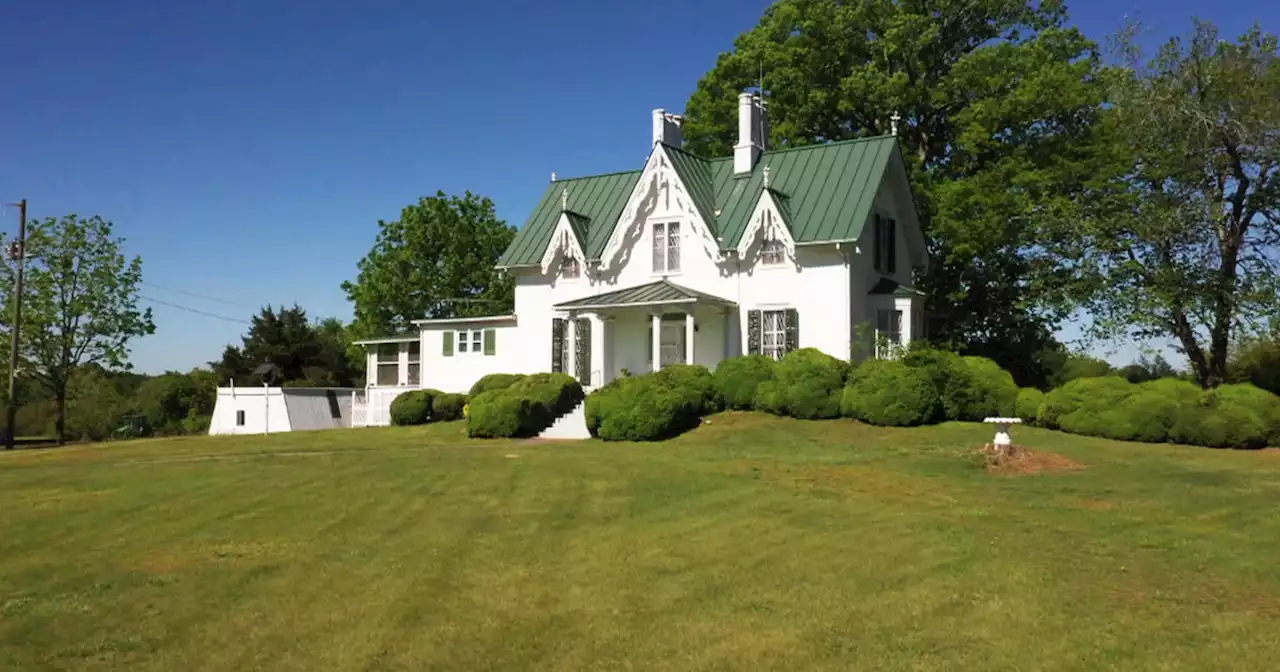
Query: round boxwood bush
{"x": 886, "y": 392}
{"x": 495, "y": 381}
{"x": 447, "y": 407}
{"x": 649, "y": 409}
{"x": 950, "y": 376}
{"x": 413, "y": 407}
{"x": 1230, "y": 416}
{"x": 496, "y": 414}
{"x": 993, "y": 392}
{"x": 1257, "y": 401}
{"x": 693, "y": 379}
{"x": 807, "y": 384}
{"x": 737, "y": 378}
{"x": 1089, "y": 394}
{"x": 602, "y": 401}
{"x": 1028, "y": 404}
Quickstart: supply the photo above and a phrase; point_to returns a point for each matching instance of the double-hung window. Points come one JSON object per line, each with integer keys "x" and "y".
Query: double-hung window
{"x": 888, "y": 332}
{"x": 666, "y": 247}
{"x": 771, "y": 252}
{"x": 415, "y": 362}
{"x": 570, "y": 268}
{"x": 470, "y": 342}
{"x": 773, "y": 333}
{"x": 886, "y": 245}
{"x": 387, "y": 359}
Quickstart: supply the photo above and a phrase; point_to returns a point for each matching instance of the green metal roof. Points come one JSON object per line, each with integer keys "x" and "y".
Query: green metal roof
{"x": 581, "y": 226}
{"x": 653, "y": 293}
{"x": 828, "y": 192}
{"x": 890, "y": 286}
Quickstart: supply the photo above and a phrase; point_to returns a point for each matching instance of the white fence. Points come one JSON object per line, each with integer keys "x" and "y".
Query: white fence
{"x": 372, "y": 407}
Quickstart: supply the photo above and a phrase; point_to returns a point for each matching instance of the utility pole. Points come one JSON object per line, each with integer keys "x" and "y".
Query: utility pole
{"x": 17, "y": 252}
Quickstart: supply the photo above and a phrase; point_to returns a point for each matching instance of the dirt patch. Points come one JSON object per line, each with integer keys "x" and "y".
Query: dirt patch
{"x": 1018, "y": 460}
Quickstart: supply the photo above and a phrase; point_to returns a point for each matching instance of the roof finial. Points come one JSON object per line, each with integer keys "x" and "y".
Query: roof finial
{"x": 553, "y": 176}
{"x": 564, "y": 198}
{"x": 766, "y": 177}
{"x": 893, "y": 123}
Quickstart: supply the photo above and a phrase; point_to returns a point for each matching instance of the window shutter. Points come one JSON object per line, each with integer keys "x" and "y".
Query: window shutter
{"x": 490, "y": 343}
{"x": 792, "y": 330}
{"x": 448, "y": 343}
{"x": 557, "y": 345}
{"x": 876, "y": 244}
{"x": 753, "y": 332}
{"x": 650, "y": 347}
{"x": 582, "y": 341}
{"x": 891, "y": 230}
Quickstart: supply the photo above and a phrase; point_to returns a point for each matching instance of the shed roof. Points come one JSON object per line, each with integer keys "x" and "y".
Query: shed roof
{"x": 661, "y": 292}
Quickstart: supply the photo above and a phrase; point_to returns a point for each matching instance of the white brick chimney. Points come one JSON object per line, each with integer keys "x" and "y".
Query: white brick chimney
{"x": 666, "y": 128}
{"x": 753, "y": 128}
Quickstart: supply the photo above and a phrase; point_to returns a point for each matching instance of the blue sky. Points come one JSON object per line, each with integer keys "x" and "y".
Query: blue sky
{"x": 246, "y": 148}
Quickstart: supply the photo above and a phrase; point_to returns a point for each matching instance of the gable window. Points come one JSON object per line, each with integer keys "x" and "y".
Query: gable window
{"x": 387, "y": 363}
{"x": 570, "y": 267}
{"x": 886, "y": 244}
{"x": 470, "y": 341}
{"x": 772, "y": 253}
{"x": 415, "y": 362}
{"x": 666, "y": 247}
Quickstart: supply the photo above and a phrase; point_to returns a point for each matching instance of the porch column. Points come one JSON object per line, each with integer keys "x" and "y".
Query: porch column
{"x": 597, "y": 374}
{"x": 688, "y": 337}
{"x": 657, "y": 341}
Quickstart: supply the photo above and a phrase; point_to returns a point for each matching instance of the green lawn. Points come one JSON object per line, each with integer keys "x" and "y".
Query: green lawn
{"x": 751, "y": 543}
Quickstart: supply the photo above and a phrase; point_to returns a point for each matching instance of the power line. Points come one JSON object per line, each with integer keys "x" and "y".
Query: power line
{"x": 194, "y": 310}
{"x": 194, "y": 295}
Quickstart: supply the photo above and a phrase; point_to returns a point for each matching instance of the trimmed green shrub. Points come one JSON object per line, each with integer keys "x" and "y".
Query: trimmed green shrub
{"x": 495, "y": 381}
{"x": 413, "y": 407}
{"x": 992, "y": 391}
{"x": 887, "y": 392}
{"x": 1231, "y": 416}
{"x": 523, "y": 409}
{"x": 807, "y": 384}
{"x": 695, "y": 379}
{"x": 447, "y": 407}
{"x": 737, "y": 379}
{"x": 1028, "y": 405}
{"x": 951, "y": 377}
{"x": 1095, "y": 393}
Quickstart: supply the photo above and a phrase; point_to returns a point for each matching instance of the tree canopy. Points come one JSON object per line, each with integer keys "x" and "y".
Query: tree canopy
{"x": 436, "y": 261}
{"x": 298, "y": 352}
{"x": 80, "y": 303}
{"x": 998, "y": 100}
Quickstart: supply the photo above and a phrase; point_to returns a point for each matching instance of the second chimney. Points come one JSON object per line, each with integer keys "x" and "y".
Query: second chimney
{"x": 753, "y": 128}
{"x": 666, "y": 129}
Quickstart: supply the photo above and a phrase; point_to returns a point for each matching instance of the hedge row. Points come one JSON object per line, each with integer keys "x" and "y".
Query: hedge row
{"x": 523, "y": 407}
{"x": 1165, "y": 410}
{"x": 653, "y": 406}
{"x": 418, "y": 407}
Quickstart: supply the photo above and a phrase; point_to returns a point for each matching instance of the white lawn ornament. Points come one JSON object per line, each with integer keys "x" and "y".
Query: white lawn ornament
{"x": 1002, "y": 442}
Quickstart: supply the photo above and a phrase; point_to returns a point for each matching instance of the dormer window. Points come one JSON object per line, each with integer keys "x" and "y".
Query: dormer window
{"x": 570, "y": 267}
{"x": 772, "y": 253}
{"x": 666, "y": 247}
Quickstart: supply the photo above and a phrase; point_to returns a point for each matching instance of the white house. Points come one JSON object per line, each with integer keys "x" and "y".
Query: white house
{"x": 263, "y": 410}
{"x": 689, "y": 259}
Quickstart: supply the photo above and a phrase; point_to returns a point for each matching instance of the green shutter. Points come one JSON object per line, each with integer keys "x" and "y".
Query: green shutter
{"x": 753, "y": 332}
{"x": 793, "y": 330}
{"x": 557, "y": 344}
{"x": 448, "y": 343}
{"x": 650, "y": 347}
{"x": 891, "y": 228}
{"x": 877, "y": 262}
{"x": 490, "y": 343}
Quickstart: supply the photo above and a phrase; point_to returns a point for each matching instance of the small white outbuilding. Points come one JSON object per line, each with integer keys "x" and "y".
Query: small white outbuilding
{"x": 263, "y": 410}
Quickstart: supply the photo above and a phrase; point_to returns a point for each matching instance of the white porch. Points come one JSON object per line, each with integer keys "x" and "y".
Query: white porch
{"x": 642, "y": 329}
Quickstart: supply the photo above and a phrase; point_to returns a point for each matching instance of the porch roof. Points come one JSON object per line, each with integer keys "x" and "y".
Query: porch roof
{"x": 890, "y": 286}
{"x": 662, "y": 292}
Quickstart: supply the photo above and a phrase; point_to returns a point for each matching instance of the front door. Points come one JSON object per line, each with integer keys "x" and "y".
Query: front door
{"x": 672, "y": 343}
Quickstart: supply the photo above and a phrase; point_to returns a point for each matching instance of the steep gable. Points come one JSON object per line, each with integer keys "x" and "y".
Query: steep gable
{"x": 594, "y": 204}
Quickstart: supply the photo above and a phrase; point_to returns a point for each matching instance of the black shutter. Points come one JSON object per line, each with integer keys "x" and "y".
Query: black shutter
{"x": 877, "y": 264}
{"x": 557, "y": 344}
{"x": 792, "y": 330}
{"x": 753, "y": 332}
{"x": 649, "y": 347}
{"x": 582, "y": 341}
{"x": 891, "y": 229}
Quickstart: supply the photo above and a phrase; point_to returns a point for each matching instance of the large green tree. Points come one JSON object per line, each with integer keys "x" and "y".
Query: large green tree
{"x": 1178, "y": 239}
{"x": 80, "y": 304}
{"x": 436, "y": 261}
{"x": 998, "y": 100}
{"x": 295, "y": 350}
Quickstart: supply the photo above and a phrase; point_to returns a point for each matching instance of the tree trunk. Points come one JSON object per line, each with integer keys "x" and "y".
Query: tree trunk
{"x": 1191, "y": 347}
{"x": 60, "y": 423}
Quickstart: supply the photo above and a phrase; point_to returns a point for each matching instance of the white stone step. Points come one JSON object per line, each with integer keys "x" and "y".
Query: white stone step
{"x": 571, "y": 425}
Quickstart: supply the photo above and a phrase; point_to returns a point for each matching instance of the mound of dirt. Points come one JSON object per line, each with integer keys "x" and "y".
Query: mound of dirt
{"x": 1018, "y": 460}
